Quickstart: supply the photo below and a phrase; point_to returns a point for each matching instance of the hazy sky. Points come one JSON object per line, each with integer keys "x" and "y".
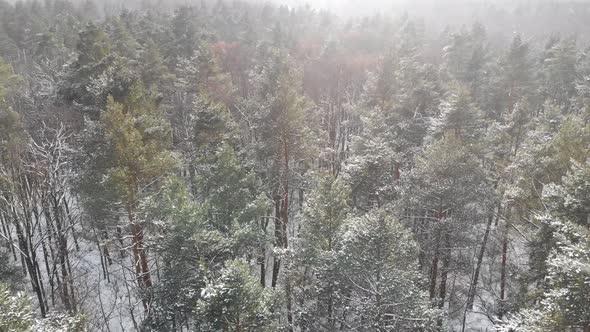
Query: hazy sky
{"x": 501, "y": 17}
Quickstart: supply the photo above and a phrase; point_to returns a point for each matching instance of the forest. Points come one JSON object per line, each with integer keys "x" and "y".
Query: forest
{"x": 234, "y": 165}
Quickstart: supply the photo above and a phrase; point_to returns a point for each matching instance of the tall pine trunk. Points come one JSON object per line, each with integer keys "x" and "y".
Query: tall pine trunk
{"x": 503, "y": 271}
{"x": 475, "y": 279}
{"x": 444, "y": 272}
{"x": 281, "y": 201}
{"x": 262, "y": 257}
{"x": 140, "y": 259}
{"x": 284, "y": 225}
{"x": 434, "y": 271}
{"x": 276, "y": 266}
{"x": 436, "y": 258}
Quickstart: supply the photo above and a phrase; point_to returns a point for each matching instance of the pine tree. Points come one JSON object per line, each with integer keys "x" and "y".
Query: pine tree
{"x": 235, "y": 302}
{"x": 558, "y": 72}
{"x": 452, "y": 191}
{"x": 138, "y": 138}
{"x": 562, "y": 301}
{"x": 322, "y": 297}
{"x": 378, "y": 261}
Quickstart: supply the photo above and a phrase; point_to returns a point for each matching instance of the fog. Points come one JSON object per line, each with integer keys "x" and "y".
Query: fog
{"x": 528, "y": 17}
{"x": 502, "y": 18}
{"x": 505, "y": 17}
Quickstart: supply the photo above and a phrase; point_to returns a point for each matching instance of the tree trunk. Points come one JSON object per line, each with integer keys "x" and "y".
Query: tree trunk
{"x": 262, "y": 259}
{"x": 289, "y": 305}
{"x": 62, "y": 250}
{"x": 285, "y": 210}
{"x": 46, "y": 256}
{"x": 65, "y": 279}
{"x": 503, "y": 271}
{"x": 71, "y": 223}
{"x": 32, "y": 254}
{"x": 102, "y": 260}
{"x": 278, "y": 239}
{"x": 262, "y": 272}
{"x": 121, "y": 244}
{"x": 276, "y": 266}
{"x": 473, "y": 286}
{"x": 30, "y": 267}
{"x": 435, "y": 259}
{"x": 284, "y": 225}
{"x": 106, "y": 253}
{"x": 140, "y": 259}
{"x": 444, "y": 272}
{"x": 434, "y": 271}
